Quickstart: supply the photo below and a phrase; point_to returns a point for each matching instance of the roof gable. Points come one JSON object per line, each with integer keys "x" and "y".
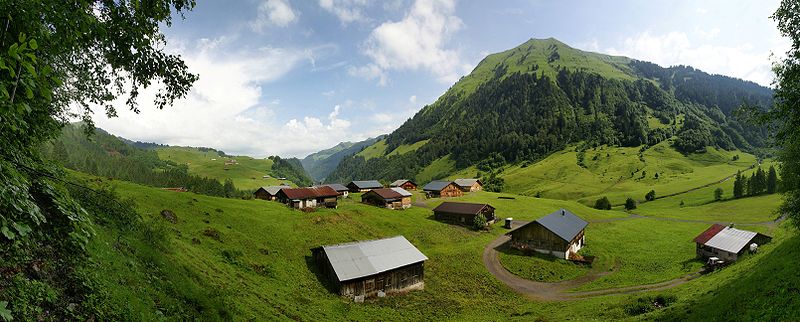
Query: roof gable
{"x": 390, "y": 193}
{"x": 731, "y": 239}
{"x": 562, "y": 223}
{"x": 708, "y": 233}
{"x": 308, "y": 193}
{"x": 335, "y": 186}
{"x": 436, "y": 185}
{"x": 400, "y": 182}
{"x": 466, "y": 182}
{"x": 463, "y": 208}
{"x": 365, "y": 258}
{"x": 366, "y": 184}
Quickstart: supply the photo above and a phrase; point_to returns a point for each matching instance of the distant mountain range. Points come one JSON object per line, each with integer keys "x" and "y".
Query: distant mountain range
{"x": 530, "y": 101}
{"x": 320, "y": 164}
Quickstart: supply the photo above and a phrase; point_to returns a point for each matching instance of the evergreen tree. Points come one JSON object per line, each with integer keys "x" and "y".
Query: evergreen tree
{"x": 739, "y": 186}
{"x": 630, "y": 204}
{"x": 718, "y": 193}
{"x": 602, "y": 204}
{"x": 752, "y": 185}
{"x": 772, "y": 180}
{"x": 760, "y": 178}
{"x": 650, "y": 196}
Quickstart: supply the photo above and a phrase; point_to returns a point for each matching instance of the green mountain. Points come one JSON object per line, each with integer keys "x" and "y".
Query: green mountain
{"x": 320, "y": 164}
{"x": 523, "y": 104}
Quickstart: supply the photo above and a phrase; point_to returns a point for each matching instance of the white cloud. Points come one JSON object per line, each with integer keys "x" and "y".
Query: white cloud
{"x": 225, "y": 109}
{"x": 413, "y": 99}
{"x": 676, "y": 48}
{"x": 273, "y": 12}
{"x": 418, "y": 41}
{"x": 346, "y": 10}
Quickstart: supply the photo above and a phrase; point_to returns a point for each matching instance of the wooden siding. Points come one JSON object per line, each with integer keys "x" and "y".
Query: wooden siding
{"x": 409, "y": 186}
{"x": 538, "y": 237}
{"x": 376, "y": 200}
{"x": 466, "y": 219}
{"x": 451, "y": 190}
{"x": 402, "y": 279}
{"x": 263, "y": 194}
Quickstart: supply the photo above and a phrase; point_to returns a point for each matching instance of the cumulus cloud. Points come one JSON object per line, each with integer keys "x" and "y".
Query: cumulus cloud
{"x": 417, "y": 42}
{"x": 346, "y": 10}
{"x": 227, "y": 108}
{"x": 677, "y": 48}
{"x": 274, "y": 12}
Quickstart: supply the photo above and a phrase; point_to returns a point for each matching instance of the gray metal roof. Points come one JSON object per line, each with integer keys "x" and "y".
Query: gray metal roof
{"x": 398, "y": 183}
{"x": 563, "y": 223}
{"x": 402, "y": 192}
{"x": 337, "y": 186}
{"x": 465, "y": 182}
{"x": 436, "y": 185}
{"x": 365, "y": 258}
{"x": 367, "y": 184}
{"x": 731, "y": 239}
{"x": 273, "y": 190}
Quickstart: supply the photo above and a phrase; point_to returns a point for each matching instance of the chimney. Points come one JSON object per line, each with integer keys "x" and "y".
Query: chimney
{"x": 563, "y": 212}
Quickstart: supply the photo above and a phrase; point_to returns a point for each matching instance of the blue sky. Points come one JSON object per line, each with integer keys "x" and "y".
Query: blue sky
{"x": 293, "y": 77}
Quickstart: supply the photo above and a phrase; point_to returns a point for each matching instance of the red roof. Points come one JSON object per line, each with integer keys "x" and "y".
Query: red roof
{"x": 708, "y": 234}
{"x": 308, "y": 193}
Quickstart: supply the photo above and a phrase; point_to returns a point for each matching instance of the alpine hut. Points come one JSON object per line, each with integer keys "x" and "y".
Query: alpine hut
{"x": 463, "y": 212}
{"x": 560, "y": 234}
{"x": 727, "y": 243}
{"x": 392, "y": 198}
{"x": 442, "y": 189}
{"x": 302, "y": 198}
{"x": 340, "y": 188}
{"x": 469, "y": 185}
{"x": 364, "y": 185}
{"x": 372, "y": 268}
{"x": 405, "y": 184}
{"x": 269, "y": 193}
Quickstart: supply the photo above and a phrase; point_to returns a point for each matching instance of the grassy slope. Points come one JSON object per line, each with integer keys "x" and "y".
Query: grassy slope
{"x": 247, "y": 174}
{"x": 378, "y": 149}
{"x": 405, "y": 148}
{"x": 439, "y": 168}
{"x": 617, "y": 173}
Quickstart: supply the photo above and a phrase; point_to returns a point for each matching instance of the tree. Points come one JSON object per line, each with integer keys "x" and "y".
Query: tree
{"x": 718, "y": 194}
{"x": 739, "y": 186}
{"x": 602, "y": 204}
{"x": 650, "y": 196}
{"x": 772, "y": 180}
{"x": 630, "y": 204}
{"x": 760, "y": 184}
{"x": 784, "y": 115}
{"x": 479, "y": 222}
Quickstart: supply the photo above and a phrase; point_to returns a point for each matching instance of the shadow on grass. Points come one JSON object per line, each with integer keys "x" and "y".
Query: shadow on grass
{"x": 313, "y": 267}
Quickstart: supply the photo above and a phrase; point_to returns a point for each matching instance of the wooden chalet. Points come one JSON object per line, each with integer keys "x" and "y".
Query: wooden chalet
{"x": 372, "y": 268}
{"x": 302, "y": 198}
{"x": 405, "y": 184}
{"x": 364, "y": 185}
{"x": 269, "y": 193}
{"x": 340, "y": 188}
{"x": 728, "y": 243}
{"x": 392, "y": 198}
{"x": 469, "y": 185}
{"x": 442, "y": 189}
{"x": 560, "y": 234}
{"x": 463, "y": 212}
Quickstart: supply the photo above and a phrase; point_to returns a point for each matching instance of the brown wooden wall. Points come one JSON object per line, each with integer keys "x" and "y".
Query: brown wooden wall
{"x": 261, "y": 194}
{"x": 536, "y": 236}
{"x": 451, "y": 190}
{"x": 396, "y": 280}
{"x": 408, "y": 186}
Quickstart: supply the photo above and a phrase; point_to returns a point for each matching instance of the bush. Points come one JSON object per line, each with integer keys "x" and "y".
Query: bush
{"x": 646, "y": 304}
{"x": 479, "y": 222}
{"x": 630, "y": 204}
{"x": 650, "y": 196}
{"x": 602, "y": 204}
{"x": 718, "y": 194}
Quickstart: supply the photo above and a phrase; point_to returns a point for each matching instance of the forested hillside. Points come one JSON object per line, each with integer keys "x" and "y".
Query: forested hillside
{"x": 538, "y": 98}
{"x": 320, "y": 164}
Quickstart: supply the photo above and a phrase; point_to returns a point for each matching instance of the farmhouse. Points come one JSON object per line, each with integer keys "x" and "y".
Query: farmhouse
{"x": 405, "y": 184}
{"x": 463, "y": 212}
{"x": 372, "y": 268}
{"x": 727, "y": 243}
{"x": 302, "y": 198}
{"x": 559, "y": 234}
{"x": 340, "y": 188}
{"x": 364, "y": 186}
{"x": 269, "y": 193}
{"x": 392, "y": 198}
{"x": 442, "y": 189}
{"x": 469, "y": 185}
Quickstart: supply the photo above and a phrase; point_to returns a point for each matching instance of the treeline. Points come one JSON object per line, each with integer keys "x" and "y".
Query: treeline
{"x": 105, "y": 155}
{"x": 527, "y": 116}
{"x": 291, "y": 169}
{"x": 760, "y": 182}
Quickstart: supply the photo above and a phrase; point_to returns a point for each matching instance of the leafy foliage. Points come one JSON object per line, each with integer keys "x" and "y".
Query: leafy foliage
{"x": 650, "y": 196}
{"x": 602, "y": 204}
{"x": 630, "y": 204}
{"x": 718, "y": 194}
{"x": 479, "y": 222}
{"x": 291, "y": 169}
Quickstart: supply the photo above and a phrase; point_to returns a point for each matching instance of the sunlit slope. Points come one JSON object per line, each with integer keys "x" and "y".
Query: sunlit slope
{"x": 246, "y": 173}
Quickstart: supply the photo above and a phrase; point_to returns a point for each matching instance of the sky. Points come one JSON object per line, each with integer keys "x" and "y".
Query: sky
{"x": 289, "y": 78}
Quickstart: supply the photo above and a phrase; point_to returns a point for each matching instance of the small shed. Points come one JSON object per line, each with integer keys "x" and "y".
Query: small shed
{"x": 463, "y": 212}
{"x": 367, "y": 268}
{"x": 442, "y": 189}
{"x": 405, "y": 184}
{"x": 727, "y": 243}
{"x": 560, "y": 234}
{"x": 392, "y": 198}
{"x": 269, "y": 193}
{"x": 340, "y": 188}
{"x": 364, "y": 185}
{"x": 469, "y": 185}
{"x": 313, "y": 197}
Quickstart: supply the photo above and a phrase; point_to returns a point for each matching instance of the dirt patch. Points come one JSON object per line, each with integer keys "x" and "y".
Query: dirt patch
{"x": 213, "y": 234}
{"x": 170, "y": 216}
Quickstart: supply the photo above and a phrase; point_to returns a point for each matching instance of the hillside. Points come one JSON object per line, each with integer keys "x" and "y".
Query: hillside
{"x": 526, "y": 103}
{"x": 320, "y": 164}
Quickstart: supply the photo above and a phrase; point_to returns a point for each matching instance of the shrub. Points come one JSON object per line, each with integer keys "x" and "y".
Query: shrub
{"x": 650, "y": 196}
{"x": 646, "y": 304}
{"x": 602, "y": 204}
{"x": 718, "y": 194}
{"x": 630, "y": 204}
{"x": 479, "y": 222}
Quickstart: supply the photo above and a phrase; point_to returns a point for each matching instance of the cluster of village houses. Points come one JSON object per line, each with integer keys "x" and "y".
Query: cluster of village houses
{"x": 372, "y": 268}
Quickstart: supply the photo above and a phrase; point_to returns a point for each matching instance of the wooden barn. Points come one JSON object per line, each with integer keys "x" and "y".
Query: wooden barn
{"x": 269, "y": 193}
{"x": 340, "y": 188}
{"x": 364, "y": 185}
{"x": 372, "y": 268}
{"x": 392, "y": 198}
{"x": 727, "y": 243}
{"x": 560, "y": 234}
{"x": 442, "y": 189}
{"x": 302, "y": 198}
{"x": 405, "y": 184}
{"x": 463, "y": 212}
{"x": 469, "y": 185}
